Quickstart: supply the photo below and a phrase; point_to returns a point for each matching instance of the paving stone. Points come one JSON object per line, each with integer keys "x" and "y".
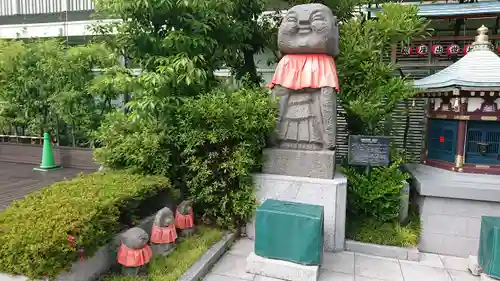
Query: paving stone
{"x": 232, "y": 266}
{"x": 334, "y": 276}
{"x": 342, "y": 262}
{"x": 242, "y": 247}
{"x": 458, "y": 275}
{"x": 265, "y": 278}
{"x": 216, "y": 277}
{"x": 414, "y": 272}
{"x": 455, "y": 263}
{"x": 379, "y": 268}
{"x": 428, "y": 260}
{"x": 363, "y": 278}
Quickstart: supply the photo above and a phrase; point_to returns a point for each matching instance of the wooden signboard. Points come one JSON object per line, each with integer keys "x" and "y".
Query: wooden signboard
{"x": 369, "y": 150}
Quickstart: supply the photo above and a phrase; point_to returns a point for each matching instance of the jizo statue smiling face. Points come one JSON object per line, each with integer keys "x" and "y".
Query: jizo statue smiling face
{"x": 309, "y": 29}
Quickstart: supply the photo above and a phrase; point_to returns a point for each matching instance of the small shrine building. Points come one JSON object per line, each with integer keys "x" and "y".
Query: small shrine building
{"x": 463, "y": 124}
{"x": 458, "y": 180}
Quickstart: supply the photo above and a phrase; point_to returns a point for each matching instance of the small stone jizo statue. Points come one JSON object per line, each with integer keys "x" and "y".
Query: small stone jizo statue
{"x": 134, "y": 252}
{"x": 306, "y": 80}
{"x": 163, "y": 233}
{"x": 184, "y": 218}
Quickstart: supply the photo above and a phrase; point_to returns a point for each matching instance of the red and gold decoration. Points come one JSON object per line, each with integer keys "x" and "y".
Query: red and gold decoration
{"x": 467, "y": 48}
{"x": 453, "y": 50}
{"x": 437, "y": 50}
{"x": 407, "y": 50}
{"x": 422, "y": 50}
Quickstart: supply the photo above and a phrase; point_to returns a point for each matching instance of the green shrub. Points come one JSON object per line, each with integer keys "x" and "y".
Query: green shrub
{"x": 130, "y": 143}
{"x": 34, "y": 231}
{"x": 377, "y": 194}
{"x": 222, "y": 136}
{"x": 209, "y": 150}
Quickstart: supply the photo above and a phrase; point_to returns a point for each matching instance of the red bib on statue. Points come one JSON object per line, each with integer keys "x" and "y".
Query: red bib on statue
{"x": 301, "y": 71}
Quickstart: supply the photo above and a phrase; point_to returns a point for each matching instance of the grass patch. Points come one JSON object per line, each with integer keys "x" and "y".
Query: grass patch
{"x": 172, "y": 267}
{"x": 369, "y": 230}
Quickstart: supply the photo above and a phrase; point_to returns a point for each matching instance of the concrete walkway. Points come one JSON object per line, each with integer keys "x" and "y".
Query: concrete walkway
{"x": 349, "y": 266}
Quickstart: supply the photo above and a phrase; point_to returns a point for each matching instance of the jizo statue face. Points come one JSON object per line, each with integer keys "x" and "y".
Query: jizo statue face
{"x": 309, "y": 29}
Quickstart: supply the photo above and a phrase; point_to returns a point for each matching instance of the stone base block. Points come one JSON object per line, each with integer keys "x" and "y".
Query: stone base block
{"x": 401, "y": 253}
{"x": 281, "y": 269}
{"x": 300, "y": 163}
{"x": 474, "y": 267}
{"x": 329, "y": 193}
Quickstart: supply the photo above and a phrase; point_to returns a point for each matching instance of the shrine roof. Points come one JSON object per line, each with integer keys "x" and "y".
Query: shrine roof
{"x": 453, "y": 9}
{"x": 480, "y": 67}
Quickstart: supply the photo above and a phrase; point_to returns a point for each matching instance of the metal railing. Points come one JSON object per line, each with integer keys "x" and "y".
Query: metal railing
{"x": 37, "y": 7}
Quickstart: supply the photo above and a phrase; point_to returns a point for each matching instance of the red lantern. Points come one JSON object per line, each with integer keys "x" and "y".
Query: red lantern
{"x": 437, "y": 50}
{"x": 498, "y": 48}
{"x": 406, "y": 51}
{"x": 422, "y": 50}
{"x": 467, "y": 48}
{"x": 453, "y": 50}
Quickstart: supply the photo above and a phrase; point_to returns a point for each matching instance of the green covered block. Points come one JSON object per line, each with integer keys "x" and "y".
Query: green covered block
{"x": 289, "y": 231}
{"x": 489, "y": 246}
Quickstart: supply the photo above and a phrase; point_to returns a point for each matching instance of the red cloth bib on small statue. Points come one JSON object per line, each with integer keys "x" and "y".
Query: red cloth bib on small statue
{"x": 163, "y": 235}
{"x": 184, "y": 221}
{"x": 299, "y": 71}
{"x": 134, "y": 257}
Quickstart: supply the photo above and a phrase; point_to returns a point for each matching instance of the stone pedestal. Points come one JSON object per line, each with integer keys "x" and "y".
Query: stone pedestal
{"x": 299, "y": 163}
{"x": 281, "y": 269}
{"x": 329, "y": 193}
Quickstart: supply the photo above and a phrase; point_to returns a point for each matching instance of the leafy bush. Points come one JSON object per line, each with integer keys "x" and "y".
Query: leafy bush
{"x": 209, "y": 150}
{"x": 369, "y": 230}
{"x": 222, "y": 136}
{"x": 34, "y": 231}
{"x": 377, "y": 194}
{"x": 129, "y": 143}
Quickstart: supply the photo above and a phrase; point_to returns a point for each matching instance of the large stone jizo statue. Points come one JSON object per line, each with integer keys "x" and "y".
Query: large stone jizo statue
{"x": 305, "y": 79}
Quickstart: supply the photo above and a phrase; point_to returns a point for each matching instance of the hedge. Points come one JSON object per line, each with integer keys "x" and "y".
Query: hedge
{"x": 34, "y": 231}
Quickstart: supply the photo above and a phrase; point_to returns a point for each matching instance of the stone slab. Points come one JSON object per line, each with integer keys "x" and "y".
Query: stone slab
{"x": 329, "y": 193}
{"x": 411, "y": 254}
{"x": 299, "y": 163}
{"x": 454, "y": 185}
{"x": 202, "y": 266}
{"x": 279, "y": 269}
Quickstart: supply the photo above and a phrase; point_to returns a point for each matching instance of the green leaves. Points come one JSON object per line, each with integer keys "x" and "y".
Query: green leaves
{"x": 91, "y": 208}
{"x": 369, "y": 88}
{"x": 46, "y": 85}
{"x": 375, "y": 195}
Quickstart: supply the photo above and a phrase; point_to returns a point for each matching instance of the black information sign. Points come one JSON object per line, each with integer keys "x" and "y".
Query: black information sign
{"x": 369, "y": 150}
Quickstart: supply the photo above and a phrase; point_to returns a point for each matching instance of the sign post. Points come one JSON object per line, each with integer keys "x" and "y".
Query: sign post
{"x": 369, "y": 151}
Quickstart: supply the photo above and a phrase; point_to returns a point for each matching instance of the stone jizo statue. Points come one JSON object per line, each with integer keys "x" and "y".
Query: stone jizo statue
{"x": 134, "y": 252}
{"x": 305, "y": 79}
{"x": 184, "y": 218}
{"x": 163, "y": 232}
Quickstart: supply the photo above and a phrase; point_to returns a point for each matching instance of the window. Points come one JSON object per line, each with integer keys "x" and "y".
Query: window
{"x": 483, "y": 143}
{"x": 442, "y": 140}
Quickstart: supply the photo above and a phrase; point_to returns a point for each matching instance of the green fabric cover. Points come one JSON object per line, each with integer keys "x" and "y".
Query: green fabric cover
{"x": 289, "y": 231}
{"x": 489, "y": 246}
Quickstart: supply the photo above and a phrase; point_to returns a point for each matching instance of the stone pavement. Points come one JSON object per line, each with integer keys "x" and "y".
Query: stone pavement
{"x": 349, "y": 266}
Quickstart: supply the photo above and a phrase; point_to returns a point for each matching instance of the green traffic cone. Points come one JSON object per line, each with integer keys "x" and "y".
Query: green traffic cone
{"x": 48, "y": 163}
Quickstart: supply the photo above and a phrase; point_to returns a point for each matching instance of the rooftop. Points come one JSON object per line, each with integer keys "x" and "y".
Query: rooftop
{"x": 480, "y": 67}
{"x": 454, "y": 9}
